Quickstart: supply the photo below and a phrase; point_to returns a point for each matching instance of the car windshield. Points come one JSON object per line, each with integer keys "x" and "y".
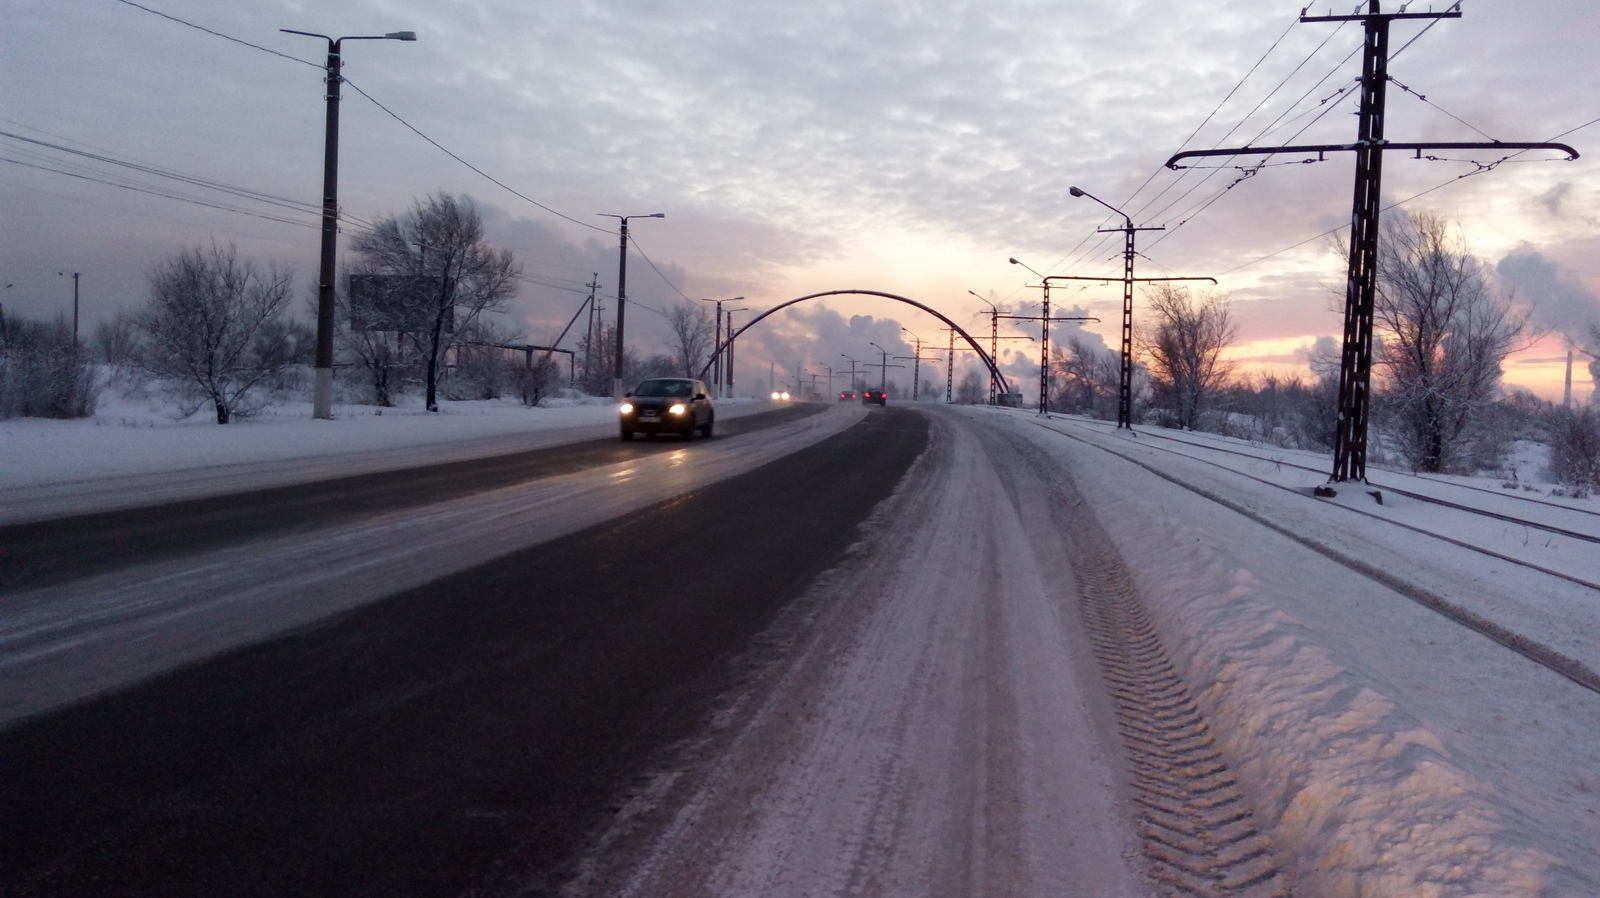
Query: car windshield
{"x": 677, "y": 389}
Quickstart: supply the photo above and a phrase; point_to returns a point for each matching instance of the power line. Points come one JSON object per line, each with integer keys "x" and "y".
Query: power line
{"x": 1083, "y": 260}
{"x": 497, "y": 182}
{"x": 490, "y": 178}
{"x": 170, "y": 196}
{"x": 243, "y": 192}
{"x": 1397, "y": 203}
{"x": 658, "y": 274}
{"x": 219, "y": 34}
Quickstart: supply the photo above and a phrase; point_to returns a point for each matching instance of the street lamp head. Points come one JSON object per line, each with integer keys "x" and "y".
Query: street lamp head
{"x": 401, "y": 35}
{"x": 1014, "y": 261}
{"x": 1075, "y": 191}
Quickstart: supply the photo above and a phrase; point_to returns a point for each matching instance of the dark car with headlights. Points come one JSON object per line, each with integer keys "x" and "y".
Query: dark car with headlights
{"x": 667, "y": 405}
{"x": 874, "y": 397}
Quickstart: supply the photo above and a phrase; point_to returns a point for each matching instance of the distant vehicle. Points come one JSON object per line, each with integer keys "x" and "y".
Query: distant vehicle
{"x": 780, "y": 395}
{"x": 667, "y": 405}
{"x": 849, "y": 396}
{"x": 874, "y": 397}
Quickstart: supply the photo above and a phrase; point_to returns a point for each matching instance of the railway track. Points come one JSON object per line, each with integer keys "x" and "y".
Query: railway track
{"x": 1421, "y": 497}
{"x": 1555, "y": 661}
{"x": 1578, "y": 536}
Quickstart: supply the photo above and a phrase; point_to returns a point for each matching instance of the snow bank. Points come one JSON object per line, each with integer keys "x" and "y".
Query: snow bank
{"x": 1355, "y": 777}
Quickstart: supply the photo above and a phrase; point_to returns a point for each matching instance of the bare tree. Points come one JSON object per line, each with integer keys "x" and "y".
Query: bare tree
{"x": 1185, "y": 345}
{"x": 116, "y": 340}
{"x": 1090, "y": 379}
{"x": 379, "y": 332}
{"x": 212, "y": 328}
{"x": 455, "y": 275}
{"x": 971, "y": 389}
{"x": 1445, "y": 332}
{"x": 691, "y": 335}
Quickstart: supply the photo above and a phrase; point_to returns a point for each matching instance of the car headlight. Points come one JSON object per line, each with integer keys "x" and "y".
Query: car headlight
{"x": 678, "y": 408}
{"x": 627, "y": 408}
{"x": 785, "y": 394}
{"x": 774, "y": 394}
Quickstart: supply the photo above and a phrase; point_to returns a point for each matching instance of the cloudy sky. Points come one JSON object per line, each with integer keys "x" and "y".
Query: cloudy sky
{"x": 796, "y": 148}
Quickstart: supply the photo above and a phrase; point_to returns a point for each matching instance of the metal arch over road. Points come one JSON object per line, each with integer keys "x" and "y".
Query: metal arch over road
{"x": 993, "y": 369}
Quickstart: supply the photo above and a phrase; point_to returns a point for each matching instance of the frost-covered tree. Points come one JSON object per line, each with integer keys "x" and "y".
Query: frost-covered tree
{"x": 971, "y": 390}
{"x": 213, "y": 329}
{"x": 455, "y": 275}
{"x": 692, "y": 335}
{"x": 44, "y": 372}
{"x": 1445, "y": 330}
{"x": 1184, "y": 343}
{"x": 1573, "y": 436}
{"x": 1089, "y": 379}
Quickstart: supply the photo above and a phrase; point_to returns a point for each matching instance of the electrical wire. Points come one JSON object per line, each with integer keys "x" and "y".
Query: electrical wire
{"x": 171, "y": 196}
{"x": 225, "y": 37}
{"x": 493, "y": 180}
{"x": 242, "y": 192}
{"x": 660, "y": 275}
{"x": 490, "y": 178}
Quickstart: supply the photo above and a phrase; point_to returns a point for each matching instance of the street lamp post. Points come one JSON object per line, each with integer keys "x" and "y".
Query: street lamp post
{"x": 1044, "y": 341}
{"x": 916, "y": 365}
{"x": 622, "y": 296}
{"x": 322, "y": 395}
{"x": 1125, "y": 386}
{"x": 74, "y": 304}
{"x": 994, "y": 339}
{"x": 716, "y": 345}
{"x": 1125, "y": 390}
{"x": 852, "y": 371}
{"x": 1044, "y": 320}
{"x": 728, "y": 373}
{"x": 883, "y": 370}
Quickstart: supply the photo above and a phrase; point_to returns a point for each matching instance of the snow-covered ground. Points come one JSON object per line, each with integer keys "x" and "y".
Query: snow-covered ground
{"x": 1394, "y": 747}
{"x": 1405, "y": 690}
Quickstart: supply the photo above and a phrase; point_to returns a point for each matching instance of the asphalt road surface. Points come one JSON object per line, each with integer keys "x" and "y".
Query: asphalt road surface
{"x": 459, "y": 736}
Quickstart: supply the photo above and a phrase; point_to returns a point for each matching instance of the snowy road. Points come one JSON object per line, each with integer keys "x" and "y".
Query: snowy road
{"x": 453, "y": 736}
{"x": 63, "y": 643}
{"x": 1058, "y": 660}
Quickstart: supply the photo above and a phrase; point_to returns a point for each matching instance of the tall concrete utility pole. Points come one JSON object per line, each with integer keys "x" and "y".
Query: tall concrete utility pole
{"x": 622, "y": 296}
{"x": 1361, "y": 282}
{"x": 322, "y": 389}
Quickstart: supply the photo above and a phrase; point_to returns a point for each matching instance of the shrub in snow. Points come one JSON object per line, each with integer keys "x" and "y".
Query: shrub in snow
{"x": 214, "y": 332}
{"x": 1574, "y": 439}
{"x": 44, "y": 372}
{"x": 534, "y": 381}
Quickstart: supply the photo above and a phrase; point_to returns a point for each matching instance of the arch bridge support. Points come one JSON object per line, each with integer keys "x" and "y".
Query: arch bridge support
{"x": 994, "y": 370}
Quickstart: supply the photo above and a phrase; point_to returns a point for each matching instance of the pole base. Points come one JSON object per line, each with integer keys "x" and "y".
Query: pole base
{"x": 322, "y": 395}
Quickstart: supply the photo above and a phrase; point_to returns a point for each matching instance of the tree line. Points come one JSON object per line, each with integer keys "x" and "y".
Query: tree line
{"x": 416, "y": 304}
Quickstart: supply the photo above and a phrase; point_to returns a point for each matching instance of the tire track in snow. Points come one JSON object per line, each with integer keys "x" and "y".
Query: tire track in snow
{"x": 1200, "y": 835}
